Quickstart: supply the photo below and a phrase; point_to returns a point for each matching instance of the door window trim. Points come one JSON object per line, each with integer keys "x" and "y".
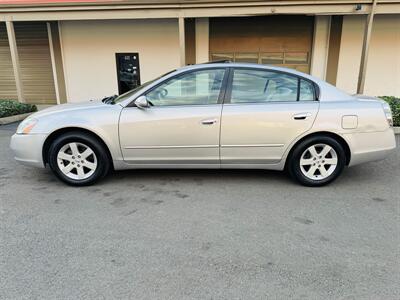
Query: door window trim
{"x": 228, "y": 92}
{"x": 221, "y": 95}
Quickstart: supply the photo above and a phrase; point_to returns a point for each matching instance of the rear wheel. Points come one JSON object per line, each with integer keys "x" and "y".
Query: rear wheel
{"x": 78, "y": 158}
{"x": 317, "y": 161}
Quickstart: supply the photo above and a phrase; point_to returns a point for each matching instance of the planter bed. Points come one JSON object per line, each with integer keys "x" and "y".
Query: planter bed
{"x": 13, "y": 111}
{"x": 12, "y": 119}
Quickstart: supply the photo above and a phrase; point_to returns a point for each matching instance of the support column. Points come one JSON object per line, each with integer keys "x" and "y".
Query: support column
{"x": 56, "y": 61}
{"x": 15, "y": 60}
{"x": 182, "y": 51}
{"x": 334, "y": 49}
{"x": 365, "y": 49}
{"x": 202, "y": 40}
{"x": 320, "y": 47}
{"x": 53, "y": 61}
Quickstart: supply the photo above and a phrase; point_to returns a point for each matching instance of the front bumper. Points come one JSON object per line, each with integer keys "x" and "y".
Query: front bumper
{"x": 371, "y": 146}
{"x": 27, "y": 149}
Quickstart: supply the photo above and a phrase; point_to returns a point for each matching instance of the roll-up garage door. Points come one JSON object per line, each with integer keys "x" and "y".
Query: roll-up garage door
{"x": 7, "y": 81}
{"x": 276, "y": 40}
{"x": 35, "y": 62}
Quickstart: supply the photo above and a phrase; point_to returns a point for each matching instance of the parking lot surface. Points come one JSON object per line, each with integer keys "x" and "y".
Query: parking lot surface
{"x": 191, "y": 234}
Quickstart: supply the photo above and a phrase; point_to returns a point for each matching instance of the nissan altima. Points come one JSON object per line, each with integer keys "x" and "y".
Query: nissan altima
{"x": 216, "y": 115}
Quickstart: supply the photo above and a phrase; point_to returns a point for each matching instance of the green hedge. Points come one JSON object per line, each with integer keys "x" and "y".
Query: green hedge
{"x": 12, "y": 108}
{"x": 395, "y": 106}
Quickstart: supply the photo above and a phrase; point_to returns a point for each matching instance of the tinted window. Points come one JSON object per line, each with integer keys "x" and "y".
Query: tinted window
{"x": 198, "y": 87}
{"x": 259, "y": 86}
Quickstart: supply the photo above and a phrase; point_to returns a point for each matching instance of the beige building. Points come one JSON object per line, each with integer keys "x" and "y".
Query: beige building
{"x": 70, "y": 51}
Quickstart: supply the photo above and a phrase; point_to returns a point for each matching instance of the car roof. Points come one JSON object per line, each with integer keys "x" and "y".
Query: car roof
{"x": 243, "y": 65}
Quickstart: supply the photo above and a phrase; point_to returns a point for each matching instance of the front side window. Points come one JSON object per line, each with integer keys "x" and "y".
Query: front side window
{"x": 259, "y": 86}
{"x": 128, "y": 94}
{"x": 195, "y": 88}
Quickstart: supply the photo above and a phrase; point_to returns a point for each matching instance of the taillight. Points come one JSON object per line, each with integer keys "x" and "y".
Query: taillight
{"x": 388, "y": 113}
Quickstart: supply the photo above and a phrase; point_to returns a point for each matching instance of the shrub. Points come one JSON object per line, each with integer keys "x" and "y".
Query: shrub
{"x": 395, "y": 106}
{"x": 11, "y": 108}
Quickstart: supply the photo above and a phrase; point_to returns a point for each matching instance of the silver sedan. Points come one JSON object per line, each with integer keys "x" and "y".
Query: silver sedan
{"x": 220, "y": 115}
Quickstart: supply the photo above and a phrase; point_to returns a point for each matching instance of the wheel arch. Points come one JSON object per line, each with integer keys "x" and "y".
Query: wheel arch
{"x": 55, "y": 134}
{"x": 335, "y": 136}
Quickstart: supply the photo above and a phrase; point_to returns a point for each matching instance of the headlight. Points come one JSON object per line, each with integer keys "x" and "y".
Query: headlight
{"x": 26, "y": 126}
{"x": 388, "y": 113}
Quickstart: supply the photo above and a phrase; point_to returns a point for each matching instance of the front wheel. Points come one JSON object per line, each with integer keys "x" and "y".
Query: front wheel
{"x": 78, "y": 159}
{"x": 317, "y": 161}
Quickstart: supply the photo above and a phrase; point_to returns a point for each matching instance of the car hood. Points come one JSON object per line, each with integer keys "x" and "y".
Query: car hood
{"x": 68, "y": 107}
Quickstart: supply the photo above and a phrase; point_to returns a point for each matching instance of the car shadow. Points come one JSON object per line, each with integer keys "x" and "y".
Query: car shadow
{"x": 206, "y": 175}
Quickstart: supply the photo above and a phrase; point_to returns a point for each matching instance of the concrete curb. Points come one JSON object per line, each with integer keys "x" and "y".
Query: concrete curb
{"x": 12, "y": 119}
{"x": 396, "y": 130}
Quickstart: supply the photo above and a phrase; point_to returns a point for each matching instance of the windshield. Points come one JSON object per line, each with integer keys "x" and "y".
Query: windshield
{"x": 126, "y": 95}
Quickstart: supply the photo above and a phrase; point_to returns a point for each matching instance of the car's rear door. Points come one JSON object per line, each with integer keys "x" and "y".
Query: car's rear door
{"x": 264, "y": 112}
{"x": 183, "y": 126}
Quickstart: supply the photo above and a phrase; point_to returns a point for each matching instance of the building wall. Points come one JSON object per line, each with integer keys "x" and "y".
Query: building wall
{"x": 335, "y": 36}
{"x": 320, "y": 46}
{"x": 89, "y": 49}
{"x": 383, "y": 68}
{"x": 202, "y": 40}
{"x": 350, "y": 53}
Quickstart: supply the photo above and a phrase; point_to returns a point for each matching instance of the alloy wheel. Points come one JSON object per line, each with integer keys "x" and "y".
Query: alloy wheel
{"x": 318, "y": 161}
{"x": 77, "y": 161}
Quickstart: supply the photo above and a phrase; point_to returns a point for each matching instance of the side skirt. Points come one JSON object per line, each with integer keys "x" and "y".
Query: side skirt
{"x": 122, "y": 165}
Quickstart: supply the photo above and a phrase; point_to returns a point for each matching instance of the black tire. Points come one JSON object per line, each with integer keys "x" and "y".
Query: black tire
{"x": 102, "y": 157}
{"x": 294, "y": 168}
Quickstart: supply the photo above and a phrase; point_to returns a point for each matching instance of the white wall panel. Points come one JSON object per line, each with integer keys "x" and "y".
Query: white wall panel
{"x": 89, "y": 49}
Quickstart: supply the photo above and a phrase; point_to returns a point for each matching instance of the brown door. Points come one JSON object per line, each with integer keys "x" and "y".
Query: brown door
{"x": 277, "y": 40}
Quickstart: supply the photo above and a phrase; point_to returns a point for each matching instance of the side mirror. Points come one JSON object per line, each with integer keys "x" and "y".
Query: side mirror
{"x": 142, "y": 102}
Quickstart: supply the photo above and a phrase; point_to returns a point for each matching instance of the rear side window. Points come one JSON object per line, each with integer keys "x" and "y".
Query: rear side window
{"x": 307, "y": 91}
{"x": 259, "y": 86}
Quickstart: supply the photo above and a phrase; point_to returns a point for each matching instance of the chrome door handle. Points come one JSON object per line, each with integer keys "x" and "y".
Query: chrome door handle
{"x": 209, "y": 121}
{"x": 302, "y": 116}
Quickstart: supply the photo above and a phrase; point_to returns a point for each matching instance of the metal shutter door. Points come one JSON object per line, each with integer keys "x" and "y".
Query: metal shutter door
{"x": 8, "y": 89}
{"x": 35, "y": 62}
{"x": 278, "y": 40}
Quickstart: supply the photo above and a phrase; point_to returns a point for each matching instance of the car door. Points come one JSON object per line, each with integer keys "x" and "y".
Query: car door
{"x": 264, "y": 112}
{"x": 181, "y": 128}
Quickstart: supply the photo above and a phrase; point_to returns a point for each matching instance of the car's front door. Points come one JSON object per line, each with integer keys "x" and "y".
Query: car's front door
{"x": 264, "y": 112}
{"x": 182, "y": 127}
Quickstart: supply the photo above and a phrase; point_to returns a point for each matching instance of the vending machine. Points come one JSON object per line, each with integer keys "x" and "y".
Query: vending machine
{"x": 128, "y": 71}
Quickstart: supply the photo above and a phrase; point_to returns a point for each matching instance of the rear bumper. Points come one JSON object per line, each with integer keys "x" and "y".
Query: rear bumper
{"x": 371, "y": 146}
{"x": 27, "y": 149}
